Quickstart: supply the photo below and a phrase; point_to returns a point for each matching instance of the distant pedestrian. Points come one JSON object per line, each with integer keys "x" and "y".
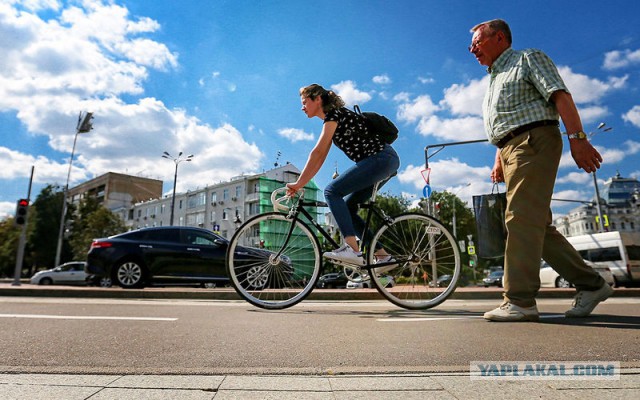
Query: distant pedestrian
{"x": 526, "y": 95}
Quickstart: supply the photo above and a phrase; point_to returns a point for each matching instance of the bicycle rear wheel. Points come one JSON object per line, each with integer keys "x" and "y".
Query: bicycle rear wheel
{"x": 426, "y": 264}
{"x": 270, "y": 264}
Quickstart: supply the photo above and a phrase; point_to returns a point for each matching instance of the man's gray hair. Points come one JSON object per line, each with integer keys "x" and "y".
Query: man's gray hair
{"x": 495, "y": 25}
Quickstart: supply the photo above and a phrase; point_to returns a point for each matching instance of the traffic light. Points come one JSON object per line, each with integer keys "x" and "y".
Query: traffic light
{"x": 21, "y": 211}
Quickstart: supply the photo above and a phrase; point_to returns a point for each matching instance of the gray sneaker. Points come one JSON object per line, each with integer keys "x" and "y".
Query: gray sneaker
{"x": 386, "y": 268}
{"x": 586, "y": 300}
{"x": 509, "y": 312}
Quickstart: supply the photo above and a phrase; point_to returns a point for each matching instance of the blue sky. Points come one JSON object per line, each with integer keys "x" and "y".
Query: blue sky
{"x": 220, "y": 79}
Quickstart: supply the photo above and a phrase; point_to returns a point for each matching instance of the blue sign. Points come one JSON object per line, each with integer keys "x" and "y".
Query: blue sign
{"x": 426, "y": 191}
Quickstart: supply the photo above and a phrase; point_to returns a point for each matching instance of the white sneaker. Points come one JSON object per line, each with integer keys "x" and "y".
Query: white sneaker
{"x": 386, "y": 268}
{"x": 509, "y": 312}
{"x": 586, "y": 300}
{"x": 345, "y": 254}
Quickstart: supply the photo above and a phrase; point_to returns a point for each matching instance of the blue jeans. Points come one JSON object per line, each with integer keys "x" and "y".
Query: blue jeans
{"x": 355, "y": 186}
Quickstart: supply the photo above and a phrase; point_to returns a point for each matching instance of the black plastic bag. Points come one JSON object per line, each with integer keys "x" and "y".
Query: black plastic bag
{"x": 492, "y": 232}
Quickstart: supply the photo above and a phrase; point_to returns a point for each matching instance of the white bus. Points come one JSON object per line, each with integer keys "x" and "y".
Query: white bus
{"x": 620, "y": 251}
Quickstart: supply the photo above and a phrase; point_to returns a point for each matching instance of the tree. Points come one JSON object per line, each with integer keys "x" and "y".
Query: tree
{"x": 43, "y": 239}
{"x": 9, "y": 236}
{"x": 92, "y": 221}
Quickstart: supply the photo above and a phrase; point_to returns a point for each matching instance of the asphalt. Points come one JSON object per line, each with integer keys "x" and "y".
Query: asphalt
{"x": 441, "y": 384}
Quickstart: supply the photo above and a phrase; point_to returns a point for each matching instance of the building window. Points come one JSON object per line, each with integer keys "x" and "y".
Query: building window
{"x": 238, "y": 191}
{"x": 196, "y": 200}
{"x": 225, "y": 194}
{"x": 214, "y": 197}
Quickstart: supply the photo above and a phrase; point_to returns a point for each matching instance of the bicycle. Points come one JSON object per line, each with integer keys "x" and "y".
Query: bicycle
{"x": 274, "y": 259}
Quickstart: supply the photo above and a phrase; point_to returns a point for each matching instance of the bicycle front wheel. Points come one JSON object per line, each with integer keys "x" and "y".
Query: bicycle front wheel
{"x": 273, "y": 262}
{"x": 425, "y": 264}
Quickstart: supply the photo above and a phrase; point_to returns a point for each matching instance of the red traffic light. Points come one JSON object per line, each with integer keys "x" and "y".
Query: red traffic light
{"x": 22, "y": 207}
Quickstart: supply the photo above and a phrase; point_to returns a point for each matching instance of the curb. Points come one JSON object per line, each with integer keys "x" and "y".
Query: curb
{"x": 474, "y": 293}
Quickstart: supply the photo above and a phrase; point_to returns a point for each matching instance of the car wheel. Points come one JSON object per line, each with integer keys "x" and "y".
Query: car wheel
{"x": 562, "y": 283}
{"x": 105, "y": 282}
{"x": 129, "y": 275}
{"x": 46, "y": 281}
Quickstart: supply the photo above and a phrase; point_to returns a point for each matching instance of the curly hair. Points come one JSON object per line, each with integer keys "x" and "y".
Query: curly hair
{"x": 330, "y": 100}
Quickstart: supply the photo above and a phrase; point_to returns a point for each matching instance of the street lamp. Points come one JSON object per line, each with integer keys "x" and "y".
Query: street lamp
{"x": 602, "y": 127}
{"x": 176, "y": 160}
{"x": 84, "y": 126}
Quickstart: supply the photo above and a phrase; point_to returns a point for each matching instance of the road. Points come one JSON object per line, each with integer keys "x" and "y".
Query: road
{"x": 126, "y": 336}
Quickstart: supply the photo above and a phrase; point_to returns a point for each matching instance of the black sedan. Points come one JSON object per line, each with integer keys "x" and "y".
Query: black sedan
{"x": 332, "y": 280}
{"x": 165, "y": 255}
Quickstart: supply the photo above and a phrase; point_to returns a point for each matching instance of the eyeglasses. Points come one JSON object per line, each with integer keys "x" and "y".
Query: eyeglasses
{"x": 480, "y": 42}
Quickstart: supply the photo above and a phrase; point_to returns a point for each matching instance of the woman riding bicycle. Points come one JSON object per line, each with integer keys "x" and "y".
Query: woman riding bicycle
{"x": 375, "y": 161}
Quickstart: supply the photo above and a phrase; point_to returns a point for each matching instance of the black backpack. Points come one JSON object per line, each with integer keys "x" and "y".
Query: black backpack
{"x": 378, "y": 125}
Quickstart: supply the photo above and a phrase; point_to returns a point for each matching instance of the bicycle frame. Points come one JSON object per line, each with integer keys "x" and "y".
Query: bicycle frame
{"x": 299, "y": 208}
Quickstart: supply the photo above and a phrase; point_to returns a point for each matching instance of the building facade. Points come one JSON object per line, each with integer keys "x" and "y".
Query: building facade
{"x": 116, "y": 191}
{"x": 619, "y": 206}
{"x": 221, "y": 207}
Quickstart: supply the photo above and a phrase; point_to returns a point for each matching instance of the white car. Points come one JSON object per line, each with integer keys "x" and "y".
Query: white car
{"x": 550, "y": 278}
{"x": 71, "y": 273}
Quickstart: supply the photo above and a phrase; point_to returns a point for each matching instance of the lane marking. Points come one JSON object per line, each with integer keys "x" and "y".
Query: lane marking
{"x": 422, "y": 319}
{"x": 425, "y": 319}
{"x": 85, "y": 317}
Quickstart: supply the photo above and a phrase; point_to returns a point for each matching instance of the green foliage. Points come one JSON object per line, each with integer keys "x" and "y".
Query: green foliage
{"x": 91, "y": 222}
{"x": 43, "y": 238}
{"x": 9, "y": 236}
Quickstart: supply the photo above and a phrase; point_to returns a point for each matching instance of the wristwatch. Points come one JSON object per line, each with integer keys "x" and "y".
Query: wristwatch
{"x": 578, "y": 135}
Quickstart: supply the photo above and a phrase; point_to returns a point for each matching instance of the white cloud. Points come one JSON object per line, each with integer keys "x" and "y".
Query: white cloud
{"x": 295, "y": 135}
{"x": 421, "y": 107}
{"x": 578, "y": 178}
{"x": 425, "y": 81}
{"x": 591, "y": 114}
{"x": 85, "y": 59}
{"x": 458, "y": 129}
{"x": 620, "y": 59}
{"x": 633, "y": 116}
{"x": 466, "y": 99}
{"x": 350, "y": 94}
{"x": 588, "y": 90}
{"x": 381, "y": 79}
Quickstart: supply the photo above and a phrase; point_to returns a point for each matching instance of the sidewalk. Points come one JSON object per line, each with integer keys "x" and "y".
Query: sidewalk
{"x": 284, "y": 387}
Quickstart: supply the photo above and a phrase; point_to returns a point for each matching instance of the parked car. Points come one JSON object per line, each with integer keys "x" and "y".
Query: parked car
{"x": 387, "y": 280}
{"x": 167, "y": 256}
{"x": 550, "y": 278}
{"x": 444, "y": 280}
{"x": 332, "y": 280}
{"x": 494, "y": 279}
{"x": 71, "y": 273}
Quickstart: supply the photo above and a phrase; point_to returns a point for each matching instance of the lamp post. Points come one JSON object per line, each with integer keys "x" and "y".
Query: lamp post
{"x": 602, "y": 127}
{"x": 176, "y": 160}
{"x": 84, "y": 126}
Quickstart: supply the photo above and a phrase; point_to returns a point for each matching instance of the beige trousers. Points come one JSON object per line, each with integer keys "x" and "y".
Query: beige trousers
{"x": 530, "y": 164}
